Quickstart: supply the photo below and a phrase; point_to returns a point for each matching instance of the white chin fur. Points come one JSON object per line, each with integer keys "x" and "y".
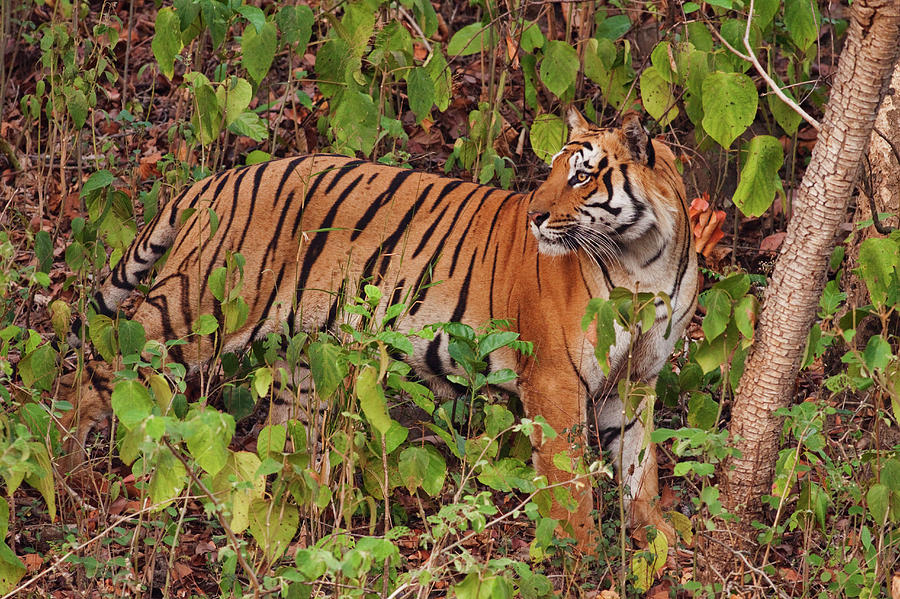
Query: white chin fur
{"x": 551, "y": 249}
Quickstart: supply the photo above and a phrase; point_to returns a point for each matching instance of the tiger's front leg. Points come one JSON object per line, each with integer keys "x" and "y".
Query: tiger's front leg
{"x": 563, "y": 408}
{"x": 635, "y": 460}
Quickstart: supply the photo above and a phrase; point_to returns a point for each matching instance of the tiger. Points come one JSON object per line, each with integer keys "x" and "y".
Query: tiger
{"x": 611, "y": 212}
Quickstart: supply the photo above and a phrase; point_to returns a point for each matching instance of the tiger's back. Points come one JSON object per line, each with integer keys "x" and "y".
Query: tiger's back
{"x": 311, "y": 229}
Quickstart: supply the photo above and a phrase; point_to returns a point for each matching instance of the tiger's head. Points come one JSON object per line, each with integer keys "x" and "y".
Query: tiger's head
{"x": 609, "y": 191}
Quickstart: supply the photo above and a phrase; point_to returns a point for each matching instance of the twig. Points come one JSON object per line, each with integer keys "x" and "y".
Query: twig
{"x": 10, "y": 153}
{"x": 751, "y": 58}
{"x": 750, "y": 566}
{"x": 254, "y": 582}
{"x": 15, "y": 592}
{"x": 414, "y": 25}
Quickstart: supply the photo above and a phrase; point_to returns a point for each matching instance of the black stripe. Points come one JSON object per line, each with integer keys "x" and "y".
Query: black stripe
{"x": 387, "y": 247}
{"x": 493, "y": 282}
{"x": 433, "y": 357}
{"x": 265, "y": 315}
{"x": 651, "y": 154}
{"x": 657, "y": 255}
{"x": 419, "y": 293}
{"x": 317, "y": 244}
{"x": 606, "y": 435}
{"x": 487, "y": 242}
{"x": 463, "y": 296}
{"x": 448, "y": 188}
{"x": 254, "y": 194}
{"x": 381, "y": 200}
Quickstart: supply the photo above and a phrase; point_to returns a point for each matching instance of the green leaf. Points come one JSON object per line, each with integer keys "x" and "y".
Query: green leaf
{"x": 258, "y": 50}
{"x": 729, "y": 105}
{"x": 273, "y": 526}
{"x": 38, "y": 369}
{"x": 423, "y": 466}
{"x": 270, "y": 441}
{"x": 131, "y": 403}
{"x": 103, "y": 336}
{"x": 98, "y": 181}
{"x": 420, "y": 89}
{"x": 206, "y": 324}
{"x": 661, "y": 59}
{"x": 11, "y": 567}
{"x": 355, "y": 121}
{"x": 890, "y": 474}
{"x": 168, "y": 478}
{"x": 614, "y": 27}
{"x": 131, "y": 337}
{"x": 879, "y": 260}
{"x": 295, "y": 24}
{"x": 656, "y": 93}
{"x": 477, "y": 585}
{"x": 471, "y": 39}
{"x": 548, "y": 135}
{"x": 877, "y": 501}
{"x": 702, "y": 411}
{"x": 718, "y": 312}
{"x": 251, "y": 125}
{"x": 532, "y": 38}
{"x": 43, "y": 250}
{"x": 745, "y": 312}
{"x": 764, "y": 11}
{"x": 759, "y": 177}
{"x": 241, "y": 465}
{"x": 262, "y": 380}
{"x": 42, "y": 478}
{"x": 327, "y": 367}
{"x": 559, "y": 67}
{"x": 877, "y": 354}
{"x": 207, "y": 436}
{"x": 166, "y": 41}
{"x": 206, "y": 119}
{"x": 507, "y": 475}
{"x": 645, "y": 571}
{"x": 802, "y": 19}
{"x": 234, "y": 97}
{"x": 372, "y": 400}
{"x": 786, "y": 117}
{"x": 256, "y": 157}
{"x": 439, "y": 71}
{"x": 334, "y": 61}
{"x": 254, "y": 15}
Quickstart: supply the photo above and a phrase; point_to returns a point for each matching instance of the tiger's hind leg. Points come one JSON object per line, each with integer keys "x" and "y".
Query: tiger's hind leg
{"x": 295, "y": 399}
{"x": 89, "y": 395}
{"x": 636, "y": 465}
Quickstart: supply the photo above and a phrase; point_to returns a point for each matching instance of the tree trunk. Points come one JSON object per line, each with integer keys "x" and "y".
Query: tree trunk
{"x": 873, "y": 42}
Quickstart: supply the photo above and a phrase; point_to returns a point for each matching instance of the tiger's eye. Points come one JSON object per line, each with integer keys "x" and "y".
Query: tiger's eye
{"x": 581, "y": 176}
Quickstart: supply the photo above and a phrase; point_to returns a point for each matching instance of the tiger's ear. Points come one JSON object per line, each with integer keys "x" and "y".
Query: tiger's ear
{"x": 578, "y": 124}
{"x": 636, "y": 139}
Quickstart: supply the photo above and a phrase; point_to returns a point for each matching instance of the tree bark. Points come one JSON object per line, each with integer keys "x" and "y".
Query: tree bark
{"x": 871, "y": 49}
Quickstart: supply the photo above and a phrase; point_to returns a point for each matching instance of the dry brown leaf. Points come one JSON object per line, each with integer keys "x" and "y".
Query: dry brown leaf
{"x": 772, "y": 242}
{"x": 895, "y": 586}
{"x": 33, "y": 562}
{"x": 706, "y": 224}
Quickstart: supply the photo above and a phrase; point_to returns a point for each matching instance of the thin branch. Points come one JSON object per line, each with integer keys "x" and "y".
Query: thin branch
{"x": 15, "y": 592}
{"x": 750, "y": 566}
{"x": 751, "y": 58}
{"x": 254, "y": 582}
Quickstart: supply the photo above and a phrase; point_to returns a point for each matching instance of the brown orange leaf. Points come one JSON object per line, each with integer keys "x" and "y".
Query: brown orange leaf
{"x": 706, "y": 224}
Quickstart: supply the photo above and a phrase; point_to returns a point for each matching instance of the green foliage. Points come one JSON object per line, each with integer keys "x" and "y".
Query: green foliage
{"x": 759, "y": 177}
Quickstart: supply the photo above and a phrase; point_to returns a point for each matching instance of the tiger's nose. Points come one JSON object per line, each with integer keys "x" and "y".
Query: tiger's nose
{"x": 538, "y": 218}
